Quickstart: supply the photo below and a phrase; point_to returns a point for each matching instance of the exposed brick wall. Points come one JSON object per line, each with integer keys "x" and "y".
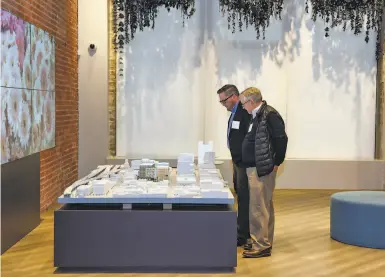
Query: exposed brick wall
{"x": 380, "y": 128}
{"x": 58, "y": 166}
{"x": 380, "y": 109}
{"x": 111, "y": 83}
{"x": 381, "y": 86}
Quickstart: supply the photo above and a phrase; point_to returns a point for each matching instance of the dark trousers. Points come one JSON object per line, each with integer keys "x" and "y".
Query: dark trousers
{"x": 241, "y": 187}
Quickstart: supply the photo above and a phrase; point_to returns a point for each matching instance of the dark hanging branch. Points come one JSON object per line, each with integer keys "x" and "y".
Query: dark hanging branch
{"x": 133, "y": 15}
{"x": 255, "y": 13}
{"x": 129, "y": 16}
{"x": 357, "y": 15}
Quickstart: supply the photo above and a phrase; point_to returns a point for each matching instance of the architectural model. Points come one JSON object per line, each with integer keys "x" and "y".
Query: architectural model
{"x": 148, "y": 178}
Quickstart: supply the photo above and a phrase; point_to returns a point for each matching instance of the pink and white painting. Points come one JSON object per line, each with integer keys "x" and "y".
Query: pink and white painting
{"x": 15, "y": 124}
{"x": 16, "y": 71}
{"x": 43, "y": 59}
{"x": 27, "y": 88}
{"x": 43, "y": 123}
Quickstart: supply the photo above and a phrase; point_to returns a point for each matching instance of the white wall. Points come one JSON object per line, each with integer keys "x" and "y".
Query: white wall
{"x": 331, "y": 93}
{"x": 93, "y": 84}
{"x": 323, "y": 87}
{"x": 160, "y": 108}
{"x": 242, "y": 60}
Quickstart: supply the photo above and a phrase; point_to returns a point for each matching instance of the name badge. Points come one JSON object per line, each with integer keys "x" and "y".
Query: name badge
{"x": 235, "y": 125}
{"x": 250, "y": 127}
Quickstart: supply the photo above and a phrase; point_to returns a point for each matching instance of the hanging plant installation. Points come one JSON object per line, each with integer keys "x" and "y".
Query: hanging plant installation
{"x": 129, "y": 16}
{"x": 256, "y": 13}
{"x": 133, "y": 15}
{"x": 356, "y": 15}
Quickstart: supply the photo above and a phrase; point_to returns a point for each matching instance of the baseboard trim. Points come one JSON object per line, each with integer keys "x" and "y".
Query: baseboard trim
{"x": 332, "y": 174}
{"x": 316, "y": 174}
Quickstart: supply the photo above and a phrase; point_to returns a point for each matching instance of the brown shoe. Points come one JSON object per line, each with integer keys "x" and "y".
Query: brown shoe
{"x": 248, "y": 245}
{"x": 257, "y": 253}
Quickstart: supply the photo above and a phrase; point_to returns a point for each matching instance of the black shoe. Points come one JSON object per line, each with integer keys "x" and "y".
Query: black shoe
{"x": 247, "y": 246}
{"x": 257, "y": 253}
{"x": 246, "y": 243}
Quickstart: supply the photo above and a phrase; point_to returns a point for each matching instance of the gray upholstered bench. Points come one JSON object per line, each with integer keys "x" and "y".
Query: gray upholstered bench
{"x": 358, "y": 218}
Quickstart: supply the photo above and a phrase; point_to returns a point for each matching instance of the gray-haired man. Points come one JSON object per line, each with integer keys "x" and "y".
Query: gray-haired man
{"x": 263, "y": 151}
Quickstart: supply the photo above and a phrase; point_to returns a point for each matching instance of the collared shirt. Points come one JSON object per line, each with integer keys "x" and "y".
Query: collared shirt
{"x": 255, "y": 111}
{"x": 233, "y": 110}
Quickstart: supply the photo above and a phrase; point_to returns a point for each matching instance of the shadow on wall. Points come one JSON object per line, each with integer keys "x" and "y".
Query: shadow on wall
{"x": 160, "y": 69}
{"x": 282, "y": 41}
{"x": 151, "y": 63}
{"x": 170, "y": 71}
{"x": 347, "y": 62}
{"x": 334, "y": 57}
{"x": 340, "y": 54}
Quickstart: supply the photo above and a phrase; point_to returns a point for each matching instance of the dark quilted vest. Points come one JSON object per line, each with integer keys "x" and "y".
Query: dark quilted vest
{"x": 264, "y": 153}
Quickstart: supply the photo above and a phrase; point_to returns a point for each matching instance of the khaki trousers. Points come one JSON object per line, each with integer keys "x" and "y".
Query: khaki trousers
{"x": 261, "y": 213}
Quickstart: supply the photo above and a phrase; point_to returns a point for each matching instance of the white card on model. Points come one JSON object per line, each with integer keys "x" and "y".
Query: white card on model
{"x": 235, "y": 125}
{"x": 250, "y": 127}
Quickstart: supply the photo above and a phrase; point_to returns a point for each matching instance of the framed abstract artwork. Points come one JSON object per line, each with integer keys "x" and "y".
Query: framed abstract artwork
{"x": 27, "y": 88}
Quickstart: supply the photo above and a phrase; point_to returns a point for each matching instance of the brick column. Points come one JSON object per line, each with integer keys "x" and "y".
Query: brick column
{"x": 111, "y": 83}
{"x": 380, "y": 110}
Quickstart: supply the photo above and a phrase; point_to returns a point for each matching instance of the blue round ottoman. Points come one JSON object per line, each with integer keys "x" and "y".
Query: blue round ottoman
{"x": 358, "y": 218}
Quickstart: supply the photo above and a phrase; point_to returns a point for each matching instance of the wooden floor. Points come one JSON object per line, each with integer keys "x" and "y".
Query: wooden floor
{"x": 302, "y": 247}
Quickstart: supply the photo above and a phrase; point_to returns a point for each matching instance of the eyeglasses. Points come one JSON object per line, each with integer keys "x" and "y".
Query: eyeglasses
{"x": 224, "y": 100}
{"x": 243, "y": 104}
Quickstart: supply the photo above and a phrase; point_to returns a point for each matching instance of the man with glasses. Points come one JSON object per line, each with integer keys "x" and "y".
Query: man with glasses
{"x": 263, "y": 151}
{"x": 237, "y": 127}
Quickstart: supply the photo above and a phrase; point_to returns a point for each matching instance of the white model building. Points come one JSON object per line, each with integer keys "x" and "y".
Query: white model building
{"x": 127, "y": 176}
{"x": 101, "y": 187}
{"x": 186, "y": 191}
{"x": 211, "y": 184}
{"x": 162, "y": 171}
{"x": 157, "y": 191}
{"x": 151, "y": 173}
{"x": 152, "y": 170}
{"x": 186, "y": 180}
{"x": 135, "y": 164}
{"x": 163, "y": 183}
{"x": 217, "y": 193}
{"x": 83, "y": 191}
{"x": 209, "y": 157}
{"x": 204, "y": 158}
{"x": 129, "y": 182}
{"x": 185, "y": 164}
{"x": 129, "y": 191}
{"x": 147, "y": 170}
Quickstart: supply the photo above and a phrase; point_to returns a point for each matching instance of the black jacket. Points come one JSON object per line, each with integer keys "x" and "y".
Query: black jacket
{"x": 270, "y": 140}
{"x": 236, "y": 136}
{"x": 265, "y": 145}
